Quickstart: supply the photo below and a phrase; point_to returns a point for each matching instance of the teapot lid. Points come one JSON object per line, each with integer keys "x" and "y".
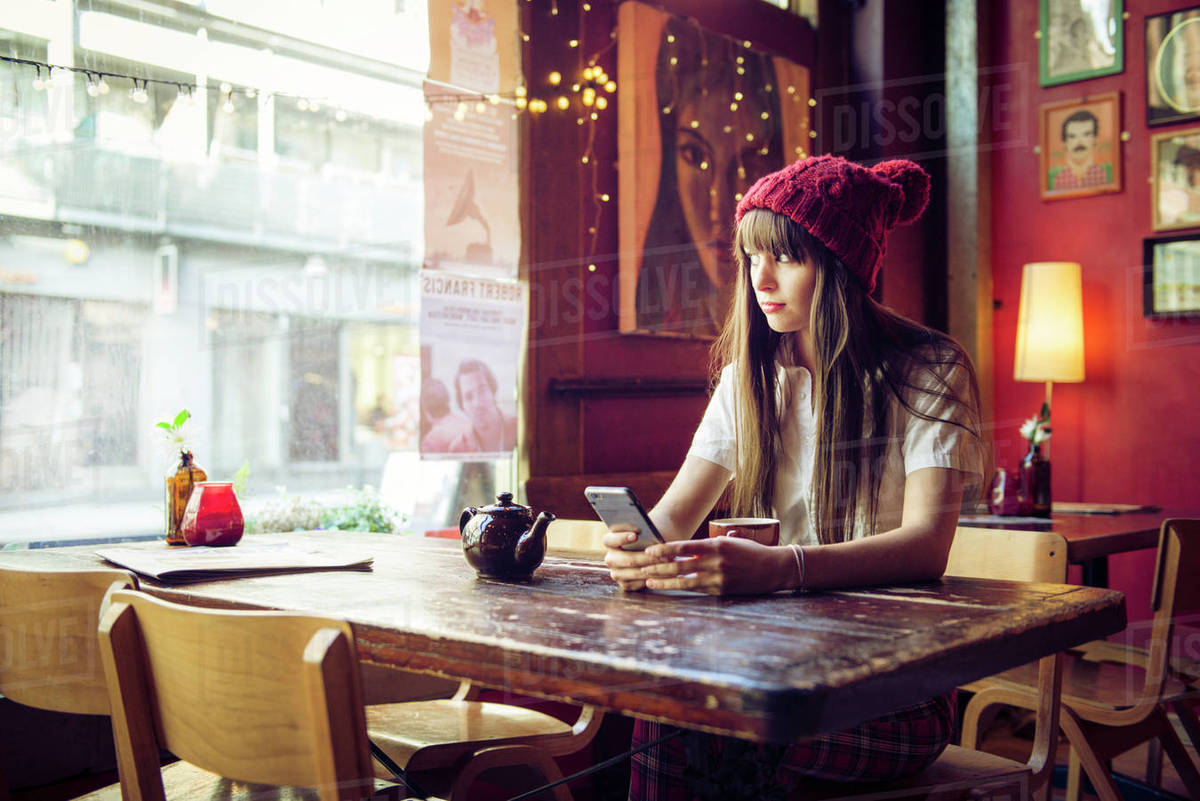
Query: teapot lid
{"x": 505, "y": 506}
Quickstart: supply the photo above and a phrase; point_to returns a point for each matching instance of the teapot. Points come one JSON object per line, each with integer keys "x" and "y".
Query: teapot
{"x": 504, "y": 541}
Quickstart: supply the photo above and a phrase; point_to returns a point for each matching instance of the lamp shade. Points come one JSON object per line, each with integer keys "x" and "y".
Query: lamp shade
{"x": 1050, "y": 323}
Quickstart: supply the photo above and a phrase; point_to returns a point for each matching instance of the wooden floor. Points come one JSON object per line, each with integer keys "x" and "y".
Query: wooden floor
{"x": 1012, "y": 737}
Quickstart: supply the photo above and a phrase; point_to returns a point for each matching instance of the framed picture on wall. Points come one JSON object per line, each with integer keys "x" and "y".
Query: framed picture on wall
{"x": 701, "y": 117}
{"x": 1080, "y": 40}
{"x": 1080, "y": 146}
{"x": 1171, "y": 286}
{"x": 1173, "y": 66}
{"x": 1175, "y": 171}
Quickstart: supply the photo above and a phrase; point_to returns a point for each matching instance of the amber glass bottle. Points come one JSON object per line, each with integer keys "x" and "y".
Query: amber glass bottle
{"x": 179, "y": 489}
{"x": 1035, "y": 480}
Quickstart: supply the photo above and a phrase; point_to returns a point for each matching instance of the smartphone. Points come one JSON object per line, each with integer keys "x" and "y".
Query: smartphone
{"x": 618, "y": 505}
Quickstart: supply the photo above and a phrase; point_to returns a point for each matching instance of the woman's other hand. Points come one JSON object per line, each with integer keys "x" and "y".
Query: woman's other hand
{"x": 720, "y": 566}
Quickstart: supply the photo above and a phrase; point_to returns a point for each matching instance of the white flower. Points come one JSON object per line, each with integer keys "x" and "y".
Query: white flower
{"x": 1035, "y": 430}
{"x": 179, "y": 437}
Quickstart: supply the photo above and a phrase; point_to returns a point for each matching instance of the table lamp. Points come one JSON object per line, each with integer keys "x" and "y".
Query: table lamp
{"x": 1050, "y": 324}
{"x": 1049, "y": 348}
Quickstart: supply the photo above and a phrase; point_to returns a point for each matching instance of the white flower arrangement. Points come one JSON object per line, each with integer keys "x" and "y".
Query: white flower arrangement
{"x": 1037, "y": 429}
{"x": 177, "y": 433}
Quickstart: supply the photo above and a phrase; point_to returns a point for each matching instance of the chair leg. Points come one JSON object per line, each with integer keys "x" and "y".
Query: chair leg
{"x": 1154, "y": 756}
{"x": 1179, "y": 756}
{"x": 1096, "y": 769}
{"x": 1074, "y": 779}
{"x": 508, "y": 756}
{"x": 1186, "y": 713}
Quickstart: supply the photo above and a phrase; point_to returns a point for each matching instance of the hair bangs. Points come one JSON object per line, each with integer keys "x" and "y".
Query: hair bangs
{"x": 764, "y": 231}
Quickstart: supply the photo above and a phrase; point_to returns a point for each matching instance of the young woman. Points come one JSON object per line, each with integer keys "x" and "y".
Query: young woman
{"x": 856, "y": 428}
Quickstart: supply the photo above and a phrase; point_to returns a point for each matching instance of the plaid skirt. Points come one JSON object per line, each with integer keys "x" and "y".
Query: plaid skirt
{"x": 702, "y": 766}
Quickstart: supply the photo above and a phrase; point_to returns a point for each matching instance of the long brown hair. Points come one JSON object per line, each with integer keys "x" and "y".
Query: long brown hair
{"x": 865, "y": 356}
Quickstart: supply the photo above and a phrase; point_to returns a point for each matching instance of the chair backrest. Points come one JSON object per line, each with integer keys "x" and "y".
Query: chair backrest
{"x": 262, "y": 697}
{"x": 563, "y": 494}
{"x": 1008, "y": 554}
{"x": 575, "y": 538}
{"x": 48, "y": 619}
{"x": 1175, "y": 596}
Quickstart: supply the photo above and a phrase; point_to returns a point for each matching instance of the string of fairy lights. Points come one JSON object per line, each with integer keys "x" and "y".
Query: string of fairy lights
{"x": 585, "y": 89}
{"x": 591, "y": 87}
{"x": 46, "y": 77}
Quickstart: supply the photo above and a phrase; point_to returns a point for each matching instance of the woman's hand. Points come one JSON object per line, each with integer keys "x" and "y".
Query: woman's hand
{"x": 625, "y": 567}
{"x": 727, "y": 565}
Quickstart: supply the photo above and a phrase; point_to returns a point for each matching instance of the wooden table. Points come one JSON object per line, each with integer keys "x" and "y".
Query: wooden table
{"x": 1091, "y": 539}
{"x": 764, "y": 668}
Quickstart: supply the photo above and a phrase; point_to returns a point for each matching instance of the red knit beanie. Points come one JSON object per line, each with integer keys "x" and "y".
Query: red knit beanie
{"x": 848, "y": 207}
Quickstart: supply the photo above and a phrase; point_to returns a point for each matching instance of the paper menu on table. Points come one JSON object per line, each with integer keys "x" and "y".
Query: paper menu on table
{"x": 179, "y": 565}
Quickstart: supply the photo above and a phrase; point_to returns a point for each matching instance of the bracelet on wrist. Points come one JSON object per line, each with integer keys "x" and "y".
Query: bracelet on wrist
{"x": 798, "y": 553}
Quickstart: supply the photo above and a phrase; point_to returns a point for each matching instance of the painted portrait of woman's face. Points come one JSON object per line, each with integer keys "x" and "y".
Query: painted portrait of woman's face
{"x": 718, "y": 153}
{"x": 719, "y": 128}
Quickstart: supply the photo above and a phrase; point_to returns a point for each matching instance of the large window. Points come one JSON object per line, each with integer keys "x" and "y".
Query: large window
{"x": 227, "y": 222}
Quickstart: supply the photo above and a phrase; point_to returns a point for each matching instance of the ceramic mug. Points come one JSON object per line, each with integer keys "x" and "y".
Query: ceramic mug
{"x": 760, "y": 529}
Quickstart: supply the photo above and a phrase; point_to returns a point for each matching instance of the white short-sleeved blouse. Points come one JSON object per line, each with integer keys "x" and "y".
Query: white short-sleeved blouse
{"x": 913, "y": 443}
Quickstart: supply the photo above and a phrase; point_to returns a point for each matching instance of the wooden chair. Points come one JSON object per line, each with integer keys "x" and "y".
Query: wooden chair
{"x": 1110, "y": 701}
{"x": 960, "y": 772}
{"x": 245, "y": 698}
{"x": 49, "y": 623}
{"x": 448, "y": 743}
{"x": 563, "y": 494}
{"x": 576, "y": 538}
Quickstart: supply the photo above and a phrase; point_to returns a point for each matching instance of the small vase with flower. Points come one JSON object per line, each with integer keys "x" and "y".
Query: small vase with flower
{"x": 1035, "y": 468}
{"x": 181, "y": 480}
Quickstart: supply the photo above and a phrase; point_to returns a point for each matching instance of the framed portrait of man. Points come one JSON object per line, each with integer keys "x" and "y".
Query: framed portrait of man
{"x": 701, "y": 117}
{"x": 1080, "y": 146}
{"x": 1080, "y": 39}
{"x": 1173, "y": 67}
{"x": 1175, "y": 171}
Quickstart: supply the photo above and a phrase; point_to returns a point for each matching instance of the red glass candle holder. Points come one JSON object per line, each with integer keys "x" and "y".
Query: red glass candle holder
{"x": 212, "y": 516}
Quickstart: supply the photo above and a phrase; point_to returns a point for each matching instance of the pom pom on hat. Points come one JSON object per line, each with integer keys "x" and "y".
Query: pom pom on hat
{"x": 846, "y": 206}
{"x": 915, "y": 183}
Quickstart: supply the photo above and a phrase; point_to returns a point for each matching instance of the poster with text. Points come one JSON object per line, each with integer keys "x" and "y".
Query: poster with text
{"x": 474, "y": 45}
{"x": 471, "y": 331}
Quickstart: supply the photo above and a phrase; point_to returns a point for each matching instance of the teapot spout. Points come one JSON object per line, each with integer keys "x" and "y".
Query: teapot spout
{"x": 531, "y": 547}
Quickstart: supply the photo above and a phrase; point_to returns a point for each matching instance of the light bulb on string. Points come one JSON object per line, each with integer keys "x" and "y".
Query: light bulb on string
{"x": 93, "y": 86}
{"x": 38, "y": 83}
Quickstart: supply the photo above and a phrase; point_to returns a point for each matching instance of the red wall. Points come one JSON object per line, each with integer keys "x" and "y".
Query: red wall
{"x": 1130, "y": 432}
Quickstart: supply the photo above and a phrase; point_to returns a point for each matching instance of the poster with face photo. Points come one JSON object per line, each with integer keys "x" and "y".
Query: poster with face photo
{"x": 471, "y": 331}
{"x": 701, "y": 117}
